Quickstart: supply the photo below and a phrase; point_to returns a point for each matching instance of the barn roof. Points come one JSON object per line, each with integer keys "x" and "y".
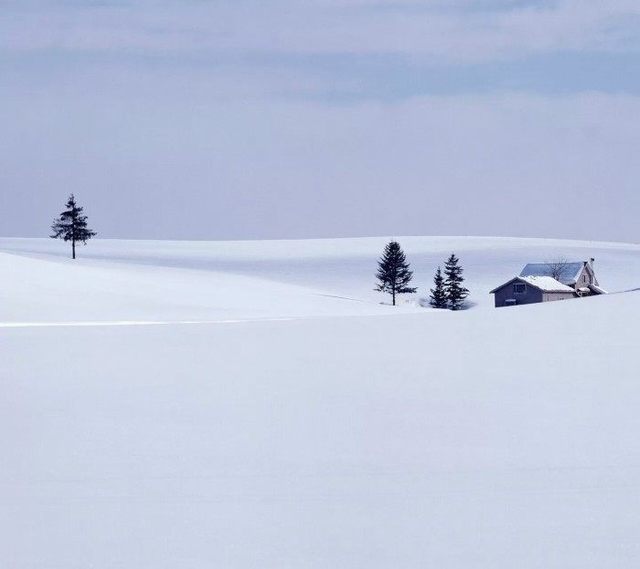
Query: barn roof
{"x": 545, "y": 284}
{"x": 570, "y": 271}
{"x": 596, "y": 289}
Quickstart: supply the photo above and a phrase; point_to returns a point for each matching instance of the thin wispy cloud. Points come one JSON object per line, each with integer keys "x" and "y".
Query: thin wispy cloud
{"x": 322, "y": 118}
{"x": 436, "y": 31}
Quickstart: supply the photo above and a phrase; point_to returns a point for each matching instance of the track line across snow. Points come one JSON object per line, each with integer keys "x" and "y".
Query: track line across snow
{"x": 135, "y": 323}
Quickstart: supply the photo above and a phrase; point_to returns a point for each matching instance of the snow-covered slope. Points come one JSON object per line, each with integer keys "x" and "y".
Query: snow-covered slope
{"x": 151, "y": 280}
{"x": 352, "y": 435}
{"x": 55, "y": 289}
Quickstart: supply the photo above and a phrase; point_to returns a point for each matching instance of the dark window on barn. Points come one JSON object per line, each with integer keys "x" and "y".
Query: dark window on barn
{"x": 519, "y": 288}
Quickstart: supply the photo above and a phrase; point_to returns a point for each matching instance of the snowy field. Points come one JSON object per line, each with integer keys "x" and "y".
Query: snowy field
{"x": 193, "y": 405}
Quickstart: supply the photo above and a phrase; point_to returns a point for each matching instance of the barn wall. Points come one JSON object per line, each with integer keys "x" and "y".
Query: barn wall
{"x": 531, "y": 296}
{"x": 551, "y": 296}
{"x": 589, "y": 278}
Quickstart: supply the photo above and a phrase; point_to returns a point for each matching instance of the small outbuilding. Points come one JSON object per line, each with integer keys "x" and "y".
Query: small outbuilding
{"x": 545, "y": 282}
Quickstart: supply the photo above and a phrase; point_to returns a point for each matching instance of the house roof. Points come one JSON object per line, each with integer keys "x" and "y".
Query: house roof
{"x": 596, "y": 289}
{"x": 544, "y": 283}
{"x": 570, "y": 271}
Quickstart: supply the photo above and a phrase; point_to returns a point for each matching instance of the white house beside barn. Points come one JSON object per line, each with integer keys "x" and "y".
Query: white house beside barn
{"x": 545, "y": 282}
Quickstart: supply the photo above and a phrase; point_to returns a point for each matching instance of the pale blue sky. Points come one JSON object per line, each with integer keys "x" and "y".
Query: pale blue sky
{"x": 246, "y": 119}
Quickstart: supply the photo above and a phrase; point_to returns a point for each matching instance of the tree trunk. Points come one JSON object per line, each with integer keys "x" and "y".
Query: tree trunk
{"x": 393, "y": 295}
{"x": 73, "y": 248}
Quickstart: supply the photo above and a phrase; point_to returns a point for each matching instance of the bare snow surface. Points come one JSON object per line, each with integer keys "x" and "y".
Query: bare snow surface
{"x": 197, "y": 405}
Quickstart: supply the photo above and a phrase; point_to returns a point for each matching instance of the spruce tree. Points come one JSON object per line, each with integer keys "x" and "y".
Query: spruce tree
{"x": 438, "y": 296}
{"x": 454, "y": 291}
{"x": 394, "y": 274}
{"x": 72, "y": 226}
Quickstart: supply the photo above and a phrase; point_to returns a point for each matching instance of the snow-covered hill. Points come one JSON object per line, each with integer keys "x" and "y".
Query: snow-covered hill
{"x": 307, "y": 425}
{"x": 152, "y": 280}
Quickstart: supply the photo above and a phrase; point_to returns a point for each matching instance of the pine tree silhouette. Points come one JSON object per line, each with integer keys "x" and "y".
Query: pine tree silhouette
{"x": 438, "y": 296}
{"x": 393, "y": 272}
{"x": 454, "y": 290}
{"x": 72, "y": 226}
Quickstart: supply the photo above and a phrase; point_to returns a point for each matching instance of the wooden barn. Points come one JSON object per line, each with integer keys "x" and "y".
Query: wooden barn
{"x": 546, "y": 282}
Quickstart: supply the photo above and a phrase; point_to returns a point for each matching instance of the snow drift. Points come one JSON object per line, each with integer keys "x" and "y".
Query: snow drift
{"x": 313, "y": 431}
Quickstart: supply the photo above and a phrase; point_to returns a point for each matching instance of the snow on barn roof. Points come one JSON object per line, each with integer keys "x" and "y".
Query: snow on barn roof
{"x": 546, "y": 284}
{"x": 570, "y": 272}
{"x": 597, "y": 289}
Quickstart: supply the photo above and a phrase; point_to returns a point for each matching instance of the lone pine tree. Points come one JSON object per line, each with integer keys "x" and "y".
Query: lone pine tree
{"x": 454, "y": 291}
{"x": 72, "y": 225}
{"x": 394, "y": 274}
{"x": 438, "y": 296}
